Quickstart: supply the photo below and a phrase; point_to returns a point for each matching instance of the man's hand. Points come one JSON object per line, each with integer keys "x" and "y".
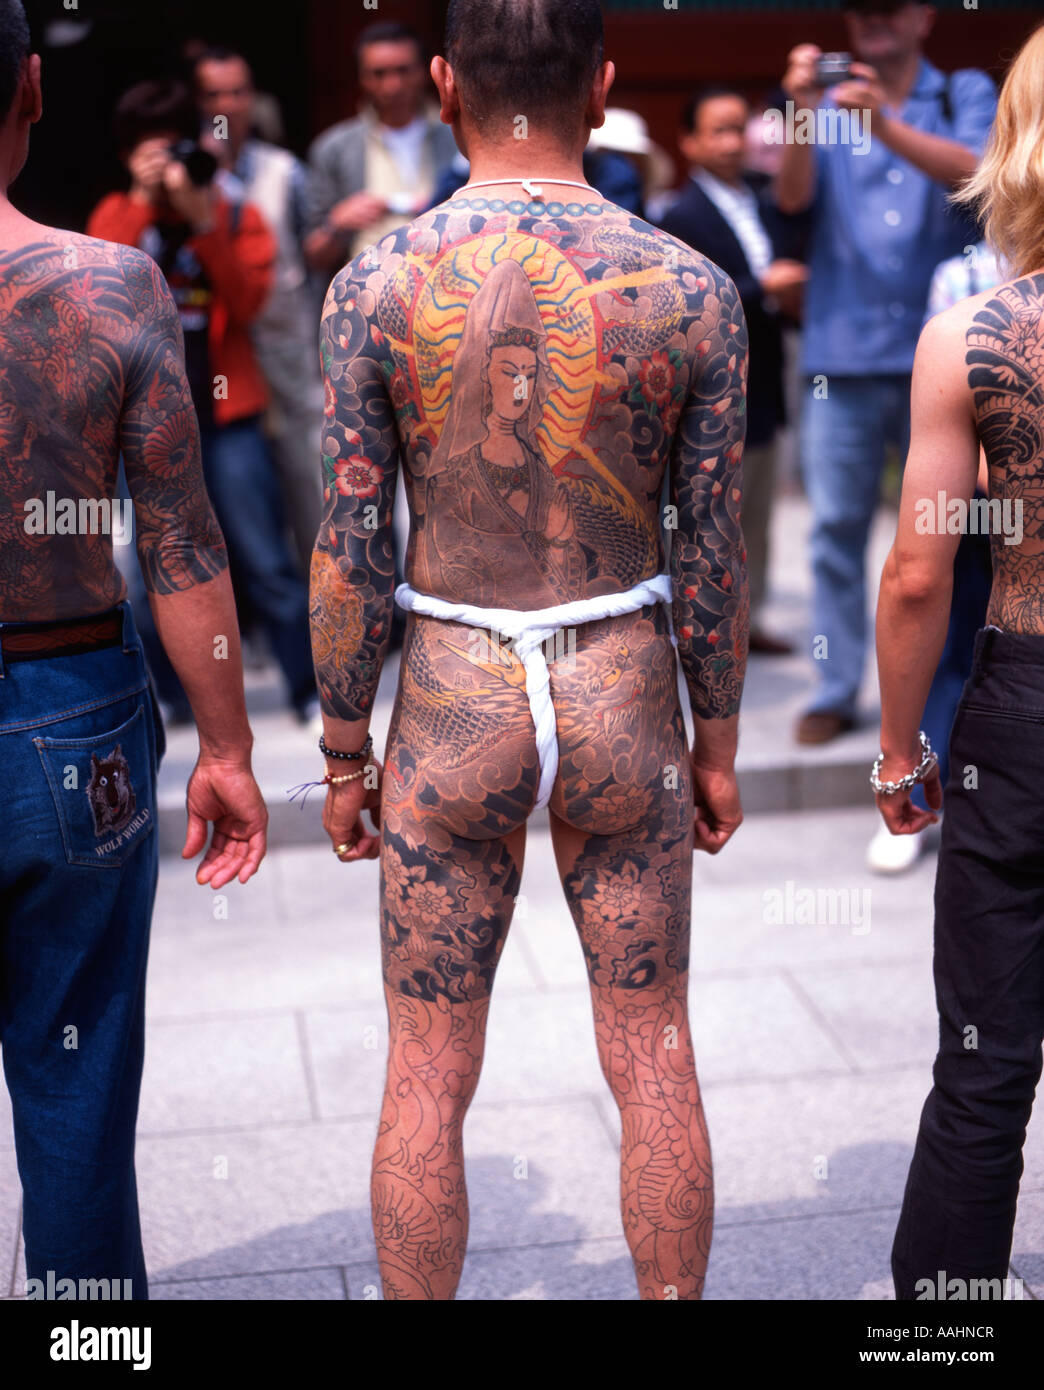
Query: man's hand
{"x": 799, "y": 80}
{"x": 356, "y": 213}
{"x": 862, "y": 92}
{"x": 147, "y": 164}
{"x": 782, "y": 275}
{"x": 718, "y": 814}
{"x": 223, "y": 791}
{"x": 195, "y": 205}
{"x": 342, "y": 817}
{"x": 785, "y": 281}
{"x": 900, "y": 814}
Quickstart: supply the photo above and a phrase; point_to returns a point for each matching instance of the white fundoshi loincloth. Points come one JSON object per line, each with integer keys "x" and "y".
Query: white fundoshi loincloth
{"x": 528, "y": 631}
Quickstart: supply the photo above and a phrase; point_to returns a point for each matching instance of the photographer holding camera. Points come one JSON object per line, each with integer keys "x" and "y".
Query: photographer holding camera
{"x": 880, "y": 226}
{"x": 217, "y": 255}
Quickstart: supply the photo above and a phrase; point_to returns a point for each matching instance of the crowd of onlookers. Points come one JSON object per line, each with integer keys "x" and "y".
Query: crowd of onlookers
{"x": 844, "y": 245}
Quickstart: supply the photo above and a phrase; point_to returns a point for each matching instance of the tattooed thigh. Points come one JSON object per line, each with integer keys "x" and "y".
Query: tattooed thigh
{"x": 622, "y": 820}
{"x": 630, "y": 896}
{"x": 461, "y": 754}
{"x": 460, "y": 777}
{"x": 445, "y": 912}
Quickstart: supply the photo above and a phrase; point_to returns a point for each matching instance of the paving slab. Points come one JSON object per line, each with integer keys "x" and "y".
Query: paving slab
{"x": 293, "y": 1198}
{"x": 326, "y": 1285}
{"x": 757, "y": 1027}
{"x": 10, "y": 1220}
{"x": 819, "y": 1257}
{"x": 1027, "y": 1250}
{"x": 570, "y": 1271}
{"x": 6, "y": 1119}
{"x": 206, "y": 1073}
{"x": 885, "y": 1013}
{"x": 348, "y": 1051}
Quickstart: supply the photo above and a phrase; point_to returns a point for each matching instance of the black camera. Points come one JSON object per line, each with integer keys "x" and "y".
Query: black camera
{"x": 200, "y": 164}
{"x": 833, "y": 67}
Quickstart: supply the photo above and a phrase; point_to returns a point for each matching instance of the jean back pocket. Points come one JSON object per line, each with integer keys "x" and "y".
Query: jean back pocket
{"x": 102, "y": 786}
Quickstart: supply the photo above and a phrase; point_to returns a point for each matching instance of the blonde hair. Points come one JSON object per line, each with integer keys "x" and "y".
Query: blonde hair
{"x": 1007, "y": 190}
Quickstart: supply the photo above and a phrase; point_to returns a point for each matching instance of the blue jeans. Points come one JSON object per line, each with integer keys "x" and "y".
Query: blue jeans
{"x": 843, "y": 441}
{"x": 244, "y": 490}
{"x": 244, "y": 487}
{"x": 80, "y": 744}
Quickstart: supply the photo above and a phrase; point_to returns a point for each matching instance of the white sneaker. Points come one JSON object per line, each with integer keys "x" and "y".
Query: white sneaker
{"x": 311, "y": 715}
{"x": 893, "y": 854}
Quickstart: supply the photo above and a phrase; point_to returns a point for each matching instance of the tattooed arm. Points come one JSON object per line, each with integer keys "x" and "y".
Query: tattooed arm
{"x": 183, "y": 560}
{"x": 708, "y": 562}
{"x": 352, "y": 572}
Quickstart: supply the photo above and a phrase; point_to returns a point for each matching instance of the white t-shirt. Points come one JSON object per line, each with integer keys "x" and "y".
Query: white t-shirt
{"x": 406, "y": 147}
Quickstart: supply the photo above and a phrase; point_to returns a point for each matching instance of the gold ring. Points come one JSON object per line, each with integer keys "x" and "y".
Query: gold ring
{"x": 342, "y": 849}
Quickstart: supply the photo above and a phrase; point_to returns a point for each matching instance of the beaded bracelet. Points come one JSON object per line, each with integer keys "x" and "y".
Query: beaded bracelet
{"x": 329, "y": 780}
{"x": 363, "y": 752}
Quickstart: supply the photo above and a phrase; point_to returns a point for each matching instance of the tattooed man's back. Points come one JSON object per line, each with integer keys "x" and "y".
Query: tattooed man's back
{"x": 90, "y": 348}
{"x": 92, "y": 369}
{"x": 538, "y": 361}
{"x": 537, "y": 365}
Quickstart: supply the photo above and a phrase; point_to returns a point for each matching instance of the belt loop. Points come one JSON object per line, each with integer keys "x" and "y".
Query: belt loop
{"x": 985, "y": 641}
{"x": 128, "y": 632}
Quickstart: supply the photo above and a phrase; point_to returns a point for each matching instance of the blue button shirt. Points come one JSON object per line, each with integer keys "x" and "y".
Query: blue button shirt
{"x": 880, "y": 227}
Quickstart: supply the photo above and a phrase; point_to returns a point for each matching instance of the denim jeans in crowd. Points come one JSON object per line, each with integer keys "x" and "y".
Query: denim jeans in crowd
{"x": 843, "y": 442}
{"x": 80, "y": 743}
{"x": 959, "y": 1207}
{"x": 244, "y": 489}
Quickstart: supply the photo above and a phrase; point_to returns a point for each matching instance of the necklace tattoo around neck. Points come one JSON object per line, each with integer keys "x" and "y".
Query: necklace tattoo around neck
{"x": 505, "y": 476}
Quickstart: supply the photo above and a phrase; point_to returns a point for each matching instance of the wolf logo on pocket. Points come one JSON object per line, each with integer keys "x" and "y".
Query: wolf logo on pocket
{"x": 109, "y": 793}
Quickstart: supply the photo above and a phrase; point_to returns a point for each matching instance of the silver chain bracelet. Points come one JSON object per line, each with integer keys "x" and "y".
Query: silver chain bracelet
{"x": 929, "y": 761}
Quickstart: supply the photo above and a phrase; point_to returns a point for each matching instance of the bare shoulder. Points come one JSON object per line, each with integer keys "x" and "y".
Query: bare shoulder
{"x": 940, "y": 361}
{"x": 116, "y": 288}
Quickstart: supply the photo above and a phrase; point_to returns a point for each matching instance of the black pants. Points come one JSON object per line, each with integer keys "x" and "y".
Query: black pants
{"x": 959, "y": 1207}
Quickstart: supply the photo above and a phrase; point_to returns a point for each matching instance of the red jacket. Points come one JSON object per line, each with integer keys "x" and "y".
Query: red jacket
{"x": 241, "y": 267}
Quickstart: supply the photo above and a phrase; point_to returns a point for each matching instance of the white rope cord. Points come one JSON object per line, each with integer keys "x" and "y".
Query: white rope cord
{"x": 529, "y": 631}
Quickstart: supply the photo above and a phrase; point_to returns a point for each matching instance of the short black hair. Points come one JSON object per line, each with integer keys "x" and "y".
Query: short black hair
{"x": 389, "y": 31}
{"x": 218, "y": 53}
{"x": 14, "y": 49}
{"x": 710, "y": 90}
{"x": 151, "y": 108}
{"x": 535, "y": 58}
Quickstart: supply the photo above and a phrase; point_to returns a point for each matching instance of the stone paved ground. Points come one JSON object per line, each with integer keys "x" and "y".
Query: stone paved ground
{"x": 266, "y": 1043}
